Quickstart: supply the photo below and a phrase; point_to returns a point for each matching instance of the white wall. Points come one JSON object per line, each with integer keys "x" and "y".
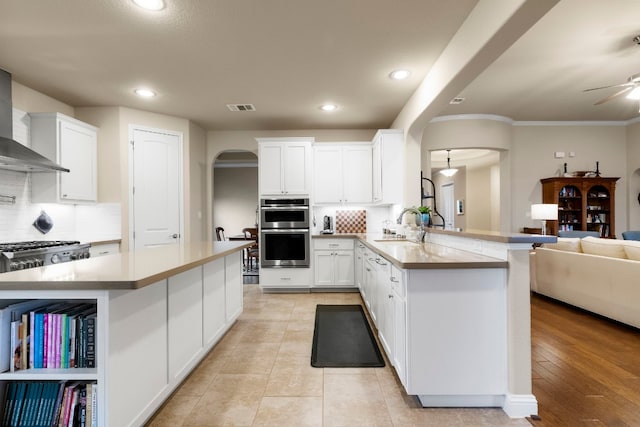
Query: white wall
{"x": 532, "y": 158}
{"x": 478, "y": 203}
{"x": 633, "y": 167}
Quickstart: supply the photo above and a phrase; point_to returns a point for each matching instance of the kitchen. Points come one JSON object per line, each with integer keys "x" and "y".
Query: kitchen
{"x": 201, "y": 147}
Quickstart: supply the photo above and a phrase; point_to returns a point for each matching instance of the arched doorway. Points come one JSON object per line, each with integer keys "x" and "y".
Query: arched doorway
{"x": 235, "y": 191}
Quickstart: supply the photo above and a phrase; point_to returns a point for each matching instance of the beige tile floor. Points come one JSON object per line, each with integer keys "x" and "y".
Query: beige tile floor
{"x": 259, "y": 374}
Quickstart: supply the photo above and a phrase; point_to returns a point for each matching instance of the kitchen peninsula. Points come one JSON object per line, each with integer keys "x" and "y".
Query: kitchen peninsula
{"x": 452, "y": 314}
{"x": 159, "y": 311}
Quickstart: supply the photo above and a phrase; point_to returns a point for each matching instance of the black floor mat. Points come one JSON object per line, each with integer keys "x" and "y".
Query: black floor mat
{"x": 342, "y": 338}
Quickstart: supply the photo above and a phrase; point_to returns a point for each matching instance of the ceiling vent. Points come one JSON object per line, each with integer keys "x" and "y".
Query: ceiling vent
{"x": 241, "y": 107}
{"x": 456, "y": 101}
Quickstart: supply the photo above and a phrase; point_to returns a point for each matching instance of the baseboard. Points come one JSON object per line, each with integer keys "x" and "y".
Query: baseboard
{"x": 520, "y": 405}
{"x": 462, "y": 401}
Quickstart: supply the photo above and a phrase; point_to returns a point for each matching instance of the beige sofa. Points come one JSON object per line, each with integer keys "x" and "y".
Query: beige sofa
{"x": 598, "y": 275}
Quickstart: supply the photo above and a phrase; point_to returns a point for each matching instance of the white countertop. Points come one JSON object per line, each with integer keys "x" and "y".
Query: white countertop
{"x": 127, "y": 270}
{"x": 410, "y": 255}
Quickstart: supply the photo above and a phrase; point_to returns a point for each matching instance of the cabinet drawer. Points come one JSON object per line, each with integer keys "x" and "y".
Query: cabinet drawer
{"x": 105, "y": 249}
{"x": 335, "y": 244}
{"x": 397, "y": 281}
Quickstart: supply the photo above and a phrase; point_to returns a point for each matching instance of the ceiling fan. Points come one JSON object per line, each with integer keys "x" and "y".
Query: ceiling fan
{"x": 631, "y": 88}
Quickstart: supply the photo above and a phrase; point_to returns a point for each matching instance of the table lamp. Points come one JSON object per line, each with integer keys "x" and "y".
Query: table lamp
{"x": 545, "y": 212}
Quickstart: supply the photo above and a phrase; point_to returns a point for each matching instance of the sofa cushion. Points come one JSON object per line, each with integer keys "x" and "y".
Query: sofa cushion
{"x": 632, "y": 249}
{"x": 604, "y": 247}
{"x": 569, "y": 244}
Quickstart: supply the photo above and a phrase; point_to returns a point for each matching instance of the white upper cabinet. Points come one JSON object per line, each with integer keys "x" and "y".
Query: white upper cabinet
{"x": 72, "y": 144}
{"x": 388, "y": 166}
{"x": 342, "y": 173}
{"x": 284, "y": 166}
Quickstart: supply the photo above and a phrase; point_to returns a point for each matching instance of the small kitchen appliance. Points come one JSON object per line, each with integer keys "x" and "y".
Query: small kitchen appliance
{"x": 327, "y": 227}
{"x": 23, "y": 255}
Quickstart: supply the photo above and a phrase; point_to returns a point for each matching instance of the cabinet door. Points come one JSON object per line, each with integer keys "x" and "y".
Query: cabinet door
{"x": 271, "y": 172}
{"x": 399, "y": 341}
{"x": 78, "y": 153}
{"x": 324, "y": 268}
{"x": 356, "y": 174}
{"x": 327, "y": 174}
{"x": 297, "y": 168}
{"x": 185, "y": 313}
{"x": 233, "y": 286}
{"x": 376, "y": 173}
{"x": 370, "y": 287}
{"x": 213, "y": 301}
{"x": 343, "y": 265}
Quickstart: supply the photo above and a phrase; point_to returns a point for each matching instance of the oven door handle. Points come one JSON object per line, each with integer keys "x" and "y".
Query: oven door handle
{"x": 284, "y": 208}
{"x": 285, "y": 230}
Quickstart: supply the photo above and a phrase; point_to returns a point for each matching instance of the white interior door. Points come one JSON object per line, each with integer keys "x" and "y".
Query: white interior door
{"x": 156, "y": 188}
{"x": 446, "y": 191}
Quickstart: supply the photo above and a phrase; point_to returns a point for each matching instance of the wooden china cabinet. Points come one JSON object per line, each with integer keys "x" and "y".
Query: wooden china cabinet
{"x": 586, "y": 204}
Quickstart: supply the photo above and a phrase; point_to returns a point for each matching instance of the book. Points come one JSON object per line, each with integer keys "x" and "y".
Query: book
{"x": 90, "y": 354}
{"x": 18, "y": 402}
{"x": 73, "y": 405}
{"x": 16, "y": 345}
{"x": 10, "y": 394}
{"x": 24, "y": 340}
{"x": 55, "y": 414}
{"x": 89, "y": 405}
{"x": 11, "y": 310}
{"x": 94, "y": 404}
{"x": 33, "y": 403}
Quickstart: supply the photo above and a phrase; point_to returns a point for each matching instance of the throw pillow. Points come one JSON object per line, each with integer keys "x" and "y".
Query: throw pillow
{"x": 604, "y": 247}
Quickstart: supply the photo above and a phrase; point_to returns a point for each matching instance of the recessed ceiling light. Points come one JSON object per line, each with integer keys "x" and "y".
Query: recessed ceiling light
{"x": 150, "y": 4}
{"x": 328, "y": 107}
{"x": 399, "y": 74}
{"x": 145, "y": 93}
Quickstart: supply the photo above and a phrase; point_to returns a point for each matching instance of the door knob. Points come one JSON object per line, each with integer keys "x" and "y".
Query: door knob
{"x": 175, "y": 235}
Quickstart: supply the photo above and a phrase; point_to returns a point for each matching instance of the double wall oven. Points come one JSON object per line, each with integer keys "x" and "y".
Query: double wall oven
{"x": 284, "y": 233}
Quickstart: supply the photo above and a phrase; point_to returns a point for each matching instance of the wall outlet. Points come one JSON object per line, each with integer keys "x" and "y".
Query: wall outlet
{"x": 558, "y": 154}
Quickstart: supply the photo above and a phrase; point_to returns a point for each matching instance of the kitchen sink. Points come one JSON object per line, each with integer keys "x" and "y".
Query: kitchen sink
{"x": 397, "y": 242}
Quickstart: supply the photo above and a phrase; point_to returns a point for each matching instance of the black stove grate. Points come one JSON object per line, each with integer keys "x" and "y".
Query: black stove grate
{"x": 25, "y": 246}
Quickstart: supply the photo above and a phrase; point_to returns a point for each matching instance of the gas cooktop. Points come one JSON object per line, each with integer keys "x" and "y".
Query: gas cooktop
{"x": 23, "y": 255}
{"x": 25, "y": 246}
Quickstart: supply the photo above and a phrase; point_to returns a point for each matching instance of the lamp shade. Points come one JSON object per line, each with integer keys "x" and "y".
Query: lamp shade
{"x": 544, "y": 211}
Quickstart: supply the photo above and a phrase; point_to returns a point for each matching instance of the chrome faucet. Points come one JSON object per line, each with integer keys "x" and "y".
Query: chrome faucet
{"x": 421, "y": 233}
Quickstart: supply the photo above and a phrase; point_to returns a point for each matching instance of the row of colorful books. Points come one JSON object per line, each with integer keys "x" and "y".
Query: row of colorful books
{"x": 50, "y": 403}
{"x": 56, "y": 335}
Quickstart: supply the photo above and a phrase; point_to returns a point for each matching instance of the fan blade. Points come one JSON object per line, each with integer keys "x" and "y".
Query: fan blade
{"x": 615, "y": 95}
{"x": 607, "y": 87}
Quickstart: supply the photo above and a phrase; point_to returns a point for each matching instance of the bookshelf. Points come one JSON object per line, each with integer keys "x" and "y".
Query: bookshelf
{"x": 586, "y": 204}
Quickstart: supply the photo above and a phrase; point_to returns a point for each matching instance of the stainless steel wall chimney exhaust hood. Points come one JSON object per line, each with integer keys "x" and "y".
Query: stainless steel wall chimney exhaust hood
{"x": 13, "y": 155}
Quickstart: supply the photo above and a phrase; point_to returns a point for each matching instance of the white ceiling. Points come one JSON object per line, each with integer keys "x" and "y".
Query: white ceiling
{"x": 288, "y": 57}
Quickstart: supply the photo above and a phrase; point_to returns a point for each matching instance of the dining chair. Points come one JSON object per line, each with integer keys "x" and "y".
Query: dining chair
{"x": 220, "y": 234}
{"x": 253, "y": 252}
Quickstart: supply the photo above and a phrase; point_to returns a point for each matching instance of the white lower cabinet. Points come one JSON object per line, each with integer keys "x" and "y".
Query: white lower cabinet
{"x": 333, "y": 262}
{"x": 285, "y": 278}
{"x": 147, "y": 339}
{"x": 443, "y": 330}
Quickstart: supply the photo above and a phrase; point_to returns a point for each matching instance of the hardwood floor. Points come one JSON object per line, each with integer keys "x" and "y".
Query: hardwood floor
{"x": 586, "y": 369}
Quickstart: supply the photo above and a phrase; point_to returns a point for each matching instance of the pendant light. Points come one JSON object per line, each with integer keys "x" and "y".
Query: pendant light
{"x": 449, "y": 171}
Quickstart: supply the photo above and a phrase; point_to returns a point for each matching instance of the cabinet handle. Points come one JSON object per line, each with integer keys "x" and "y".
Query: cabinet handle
{"x": 390, "y": 296}
{"x": 334, "y": 245}
{"x": 367, "y": 268}
{"x": 285, "y": 278}
{"x": 394, "y": 280}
